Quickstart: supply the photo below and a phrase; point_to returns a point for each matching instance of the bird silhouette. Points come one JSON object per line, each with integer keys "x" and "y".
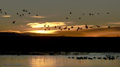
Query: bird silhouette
{"x": 5, "y": 13}
{"x": 70, "y": 12}
{"x": 55, "y": 26}
{"x": 29, "y": 13}
{"x": 90, "y": 14}
{"x": 78, "y": 28}
{"x": 98, "y": 13}
{"x": 36, "y": 14}
{"x": 65, "y": 27}
{"x": 71, "y": 26}
{"x": 83, "y": 14}
{"x": 91, "y": 27}
{"x": 86, "y": 26}
{"x": 108, "y": 13}
{"x": 0, "y": 9}
{"x": 26, "y": 11}
{"x": 59, "y": 27}
{"x": 68, "y": 28}
{"x": 22, "y": 14}
{"x": 13, "y": 22}
{"x": 23, "y": 10}
{"x": 66, "y": 17}
{"x": 108, "y": 26}
{"x": 97, "y": 26}
{"x": 17, "y": 13}
{"x": 44, "y": 25}
{"x": 79, "y": 17}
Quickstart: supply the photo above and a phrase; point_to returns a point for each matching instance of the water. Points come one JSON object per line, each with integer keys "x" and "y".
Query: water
{"x": 58, "y": 60}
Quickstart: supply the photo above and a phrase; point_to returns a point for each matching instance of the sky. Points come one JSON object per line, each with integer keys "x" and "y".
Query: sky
{"x": 54, "y": 13}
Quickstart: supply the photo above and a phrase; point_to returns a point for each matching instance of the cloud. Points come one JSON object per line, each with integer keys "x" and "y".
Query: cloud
{"x": 11, "y": 31}
{"x": 38, "y": 16}
{"x": 51, "y": 24}
{"x": 6, "y": 16}
{"x": 114, "y": 23}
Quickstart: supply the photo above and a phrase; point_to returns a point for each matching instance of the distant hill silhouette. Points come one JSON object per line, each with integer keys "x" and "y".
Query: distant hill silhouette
{"x": 11, "y": 34}
{"x": 17, "y": 42}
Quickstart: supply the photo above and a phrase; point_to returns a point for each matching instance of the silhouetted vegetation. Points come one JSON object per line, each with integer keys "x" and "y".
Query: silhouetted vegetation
{"x": 23, "y": 44}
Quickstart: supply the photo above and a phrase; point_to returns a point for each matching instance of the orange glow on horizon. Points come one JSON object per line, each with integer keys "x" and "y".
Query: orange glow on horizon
{"x": 43, "y": 31}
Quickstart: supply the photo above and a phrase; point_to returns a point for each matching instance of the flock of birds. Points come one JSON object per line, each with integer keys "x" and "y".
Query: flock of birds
{"x": 48, "y": 26}
{"x": 107, "y": 57}
{"x": 86, "y": 26}
{"x": 18, "y": 14}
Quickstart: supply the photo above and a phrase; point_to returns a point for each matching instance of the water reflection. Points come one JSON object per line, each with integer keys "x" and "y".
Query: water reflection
{"x": 56, "y": 61}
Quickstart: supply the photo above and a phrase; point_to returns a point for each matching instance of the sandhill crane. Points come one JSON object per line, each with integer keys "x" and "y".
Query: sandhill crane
{"x": 5, "y": 13}
{"x": 65, "y": 27}
{"x": 108, "y": 13}
{"x": 79, "y": 17}
{"x": 97, "y": 26}
{"x": 55, "y": 26}
{"x": 68, "y": 28}
{"x": 83, "y": 14}
{"x": 36, "y": 14}
{"x": 17, "y": 13}
{"x": 71, "y": 26}
{"x": 13, "y": 22}
{"x": 29, "y": 13}
{"x": 22, "y": 14}
{"x": 44, "y": 25}
{"x": 86, "y": 26}
{"x": 66, "y": 17}
{"x": 0, "y": 9}
{"x": 108, "y": 26}
{"x": 90, "y": 14}
{"x": 91, "y": 27}
{"x": 98, "y": 13}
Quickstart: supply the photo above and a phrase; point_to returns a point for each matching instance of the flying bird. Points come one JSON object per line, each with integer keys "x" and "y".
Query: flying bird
{"x": 0, "y": 9}
{"x": 29, "y": 13}
{"x": 22, "y": 14}
{"x": 86, "y": 26}
{"x": 66, "y": 17}
{"x": 65, "y": 27}
{"x": 70, "y": 12}
{"x": 55, "y": 26}
{"x": 13, "y": 22}
{"x": 98, "y": 13}
{"x": 68, "y": 28}
{"x": 17, "y": 13}
{"x": 23, "y": 10}
{"x": 108, "y": 13}
{"x": 5, "y": 13}
{"x": 108, "y": 26}
{"x": 71, "y": 26}
{"x": 97, "y": 26}
{"x": 36, "y": 14}
{"x": 79, "y": 17}
{"x": 90, "y": 14}
{"x": 83, "y": 14}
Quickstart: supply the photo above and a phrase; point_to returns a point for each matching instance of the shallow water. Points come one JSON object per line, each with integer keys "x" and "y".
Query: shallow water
{"x": 58, "y": 60}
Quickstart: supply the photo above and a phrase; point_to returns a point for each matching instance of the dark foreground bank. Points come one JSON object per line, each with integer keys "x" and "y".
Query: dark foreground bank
{"x": 25, "y": 44}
